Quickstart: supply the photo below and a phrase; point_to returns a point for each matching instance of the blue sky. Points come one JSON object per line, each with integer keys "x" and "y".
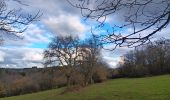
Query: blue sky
{"x": 59, "y": 18}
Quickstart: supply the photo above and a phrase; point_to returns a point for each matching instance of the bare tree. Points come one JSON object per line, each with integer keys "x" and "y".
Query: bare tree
{"x": 13, "y": 22}
{"x": 63, "y": 52}
{"x": 144, "y": 17}
{"x": 90, "y": 54}
{"x": 150, "y": 59}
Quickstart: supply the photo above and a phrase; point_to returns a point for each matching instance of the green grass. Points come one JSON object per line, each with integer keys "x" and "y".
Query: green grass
{"x": 150, "y": 88}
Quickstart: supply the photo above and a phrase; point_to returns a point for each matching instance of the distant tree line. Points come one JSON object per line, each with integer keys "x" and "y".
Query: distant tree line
{"x": 21, "y": 81}
{"x": 150, "y": 59}
{"x": 68, "y": 62}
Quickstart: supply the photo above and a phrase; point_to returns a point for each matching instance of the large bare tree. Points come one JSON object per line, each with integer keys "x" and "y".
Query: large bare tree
{"x": 74, "y": 55}
{"x": 63, "y": 52}
{"x": 14, "y": 21}
{"x": 144, "y": 17}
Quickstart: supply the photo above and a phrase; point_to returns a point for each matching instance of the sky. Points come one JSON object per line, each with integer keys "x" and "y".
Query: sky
{"x": 59, "y": 18}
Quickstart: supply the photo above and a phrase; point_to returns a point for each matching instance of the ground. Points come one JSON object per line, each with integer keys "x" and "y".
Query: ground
{"x": 149, "y": 88}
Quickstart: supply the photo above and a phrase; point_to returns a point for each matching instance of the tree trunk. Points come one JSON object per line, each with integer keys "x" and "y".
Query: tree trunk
{"x": 68, "y": 81}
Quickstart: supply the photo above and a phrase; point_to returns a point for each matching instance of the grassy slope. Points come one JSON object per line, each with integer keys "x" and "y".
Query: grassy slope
{"x": 150, "y": 88}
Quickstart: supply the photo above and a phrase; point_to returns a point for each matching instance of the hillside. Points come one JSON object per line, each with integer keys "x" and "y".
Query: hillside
{"x": 150, "y": 88}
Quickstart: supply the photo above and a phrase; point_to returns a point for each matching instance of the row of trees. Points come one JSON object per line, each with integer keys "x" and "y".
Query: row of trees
{"x": 75, "y": 56}
{"x": 21, "y": 81}
{"x": 69, "y": 62}
{"x": 151, "y": 59}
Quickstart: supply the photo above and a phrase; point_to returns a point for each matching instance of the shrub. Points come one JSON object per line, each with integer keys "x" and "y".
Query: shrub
{"x": 2, "y": 89}
{"x": 100, "y": 74}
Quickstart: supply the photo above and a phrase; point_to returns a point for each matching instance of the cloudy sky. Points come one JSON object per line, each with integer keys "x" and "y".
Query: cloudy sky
{"x": 59, "y": 18}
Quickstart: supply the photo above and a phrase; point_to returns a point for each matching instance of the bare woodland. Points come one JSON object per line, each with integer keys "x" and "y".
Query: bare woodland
{"x": 70, "y": 61}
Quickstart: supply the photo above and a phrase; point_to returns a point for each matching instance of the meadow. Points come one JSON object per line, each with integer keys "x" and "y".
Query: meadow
{"x": 148, "y": 88}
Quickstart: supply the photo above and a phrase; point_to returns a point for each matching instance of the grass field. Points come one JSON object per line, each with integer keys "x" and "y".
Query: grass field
{"x": 150, "y": 88}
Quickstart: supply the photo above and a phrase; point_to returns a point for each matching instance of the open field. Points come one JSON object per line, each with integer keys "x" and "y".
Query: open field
{"x": 150, "y": 88}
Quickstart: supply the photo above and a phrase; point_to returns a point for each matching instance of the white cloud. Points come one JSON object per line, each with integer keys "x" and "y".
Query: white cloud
{"x": 33, "y": 55}
{"x": 22, "y": 57}
{"x": 114, "y": 57}
{"x": 2, "y": 54}
{"x": 163, "y": 33}
{"x": 65, "y": 24}
{"x": 34, "y": 34}
{"x": 112, "y": 60}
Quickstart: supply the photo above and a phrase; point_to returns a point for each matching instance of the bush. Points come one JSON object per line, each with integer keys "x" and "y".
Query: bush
{"x": 60, "y": 81}
{"x": 77, "y": 78}
{"x": 2, "y": 89}
{"x": 100, "y": 74}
